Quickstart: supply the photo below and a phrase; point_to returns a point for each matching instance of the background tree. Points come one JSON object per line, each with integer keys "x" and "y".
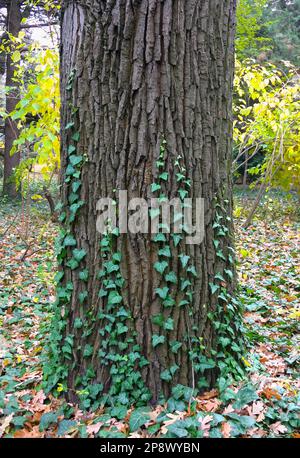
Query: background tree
{"x": 13, "y": 27}
{"x": 15, "y": 14}
{"x": 268, "y": 30}
{"x": 282, "y": 19}
{"x": 250, "y": 41}
{"x": 146, "y": 107}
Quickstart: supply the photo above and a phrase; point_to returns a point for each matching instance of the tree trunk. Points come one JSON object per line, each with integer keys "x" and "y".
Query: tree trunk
{"x": 136, "y": 74}
{"x": 12, "y": 98}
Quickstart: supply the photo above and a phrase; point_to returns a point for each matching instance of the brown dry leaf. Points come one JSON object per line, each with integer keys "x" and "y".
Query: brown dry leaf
{"x": 257, "y": 432}
{"x": 212, "y": 405}
{"x": 290, "y": 298}
{"x": 173, "y": 418}
{"x": 94, "y": 429}
{"x": 205, "y": 422}
{"x": 121, "y": 426}
{"x": 225, "y": 429}
{"x": 36, "y": 418}
{"x": 228, "y": 409}
{"x": 5, "y": 424}
{"x": 278, "y": 428}
{"x": 136, "y": 435}
{"x": 209, "y": 394}
{"x": 270, "y": 393}
{"x": 257, "y": 409}
{"x": 24, "y": 433}
{"x": 39, "y": 398}
{"x": 154, "y": 413}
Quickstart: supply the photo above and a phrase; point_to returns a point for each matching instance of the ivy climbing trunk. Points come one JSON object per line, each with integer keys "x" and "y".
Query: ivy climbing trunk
{"x": 146, "y": 107}
{"x": 13, "y": 27}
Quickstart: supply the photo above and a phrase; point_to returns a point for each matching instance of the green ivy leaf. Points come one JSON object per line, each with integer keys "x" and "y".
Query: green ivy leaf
{"x": 77, "y": 323}
{"x": 244, "y": 396}
{"x": 164, "y": 176}
{"x": 71, "y": 149}
{"x": 162, "y": 292}
{"x": 221, "y": 255}
{"x": 111, "y": 267}
{"x": 117, "y": 257}
{"x": 84, "y": 275}
{"x": 114, "y": 298}
{"x": 175, "y": 345}
{"x": 75, "y": 160}
{"x": 82, "y": 296}
{"x": 161, "y": 266}
{"x": 214, "y": 288}
{"x": 174, "y": 369}
{"x": 79, "y": 254}
{"x": 103, "y": 293}
{"x": 70, "y": 170}
{"x": 165, "y": 252}
{"x": 185, "y": 284}
{"x": 165, "y": 375}
{"x": 180, "y": 177}
{"x": 72, "y": 197}
{"x": 121, "y": 328}
{"x": 169, "y": 302}
{"x": 47, "y": 419}
{"x": 229, "y": 273}
{"x": 184, "y": 259}
{"x": 76, "y": 185}
{"x": 155, "y": 187}
{"x": 76, "y": 136}
{"x": 158, "y": 320}
{"x": 176, "y": 239}
{"x": 192, "y": 270}
{"x": 69, "y": 125}
{"x": 65, "y": 426}
{"x": 72, "y": 263}
{"x": 88, "y": 351}
{"x": 169, "y": 324}
{"x": 157, "y": 340}
{"x": 69, "y": 240}
{"x": 171, "y": 277}
{"x": 160, "y": 237}
{"x": 183, "y": 303}
{"x": 183, "y": 193}
{"x": 216, "y": 243}
{"x": 219, "y": 276}
{"x": 139, "y": 417}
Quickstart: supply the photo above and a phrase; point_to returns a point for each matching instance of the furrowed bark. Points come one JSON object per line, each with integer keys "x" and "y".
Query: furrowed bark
{"x": 148, "y": 71}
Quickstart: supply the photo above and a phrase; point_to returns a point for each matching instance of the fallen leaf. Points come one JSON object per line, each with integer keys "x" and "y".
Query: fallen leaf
{"x": 225, "y": 429}
{"x": 94, "y": 429}
{"x": 5, "y": 424}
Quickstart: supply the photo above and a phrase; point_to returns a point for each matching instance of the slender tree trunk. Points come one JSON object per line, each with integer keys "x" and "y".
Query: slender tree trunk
{"x": 12, "y": 98}
{"x": 245, "y": 177}
{"x": 135, "y": 73}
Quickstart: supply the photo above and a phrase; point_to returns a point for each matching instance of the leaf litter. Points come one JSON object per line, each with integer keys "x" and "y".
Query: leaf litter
{"x": 265, "y": 404}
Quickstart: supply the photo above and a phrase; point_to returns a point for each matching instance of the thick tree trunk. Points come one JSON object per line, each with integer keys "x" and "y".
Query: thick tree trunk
{"x": 135, "y": 73}
{"x": 12, "y": 98}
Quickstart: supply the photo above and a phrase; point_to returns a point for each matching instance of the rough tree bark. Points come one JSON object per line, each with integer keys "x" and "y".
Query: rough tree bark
{"x": 144, "y": 71}
{"x": 12, "y": 98}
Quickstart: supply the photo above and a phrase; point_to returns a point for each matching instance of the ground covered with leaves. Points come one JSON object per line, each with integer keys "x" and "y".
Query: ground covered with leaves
{"x": 265, "y": 404}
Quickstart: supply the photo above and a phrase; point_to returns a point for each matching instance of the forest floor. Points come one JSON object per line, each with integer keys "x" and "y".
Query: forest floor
{"x": 265, "y": 404}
